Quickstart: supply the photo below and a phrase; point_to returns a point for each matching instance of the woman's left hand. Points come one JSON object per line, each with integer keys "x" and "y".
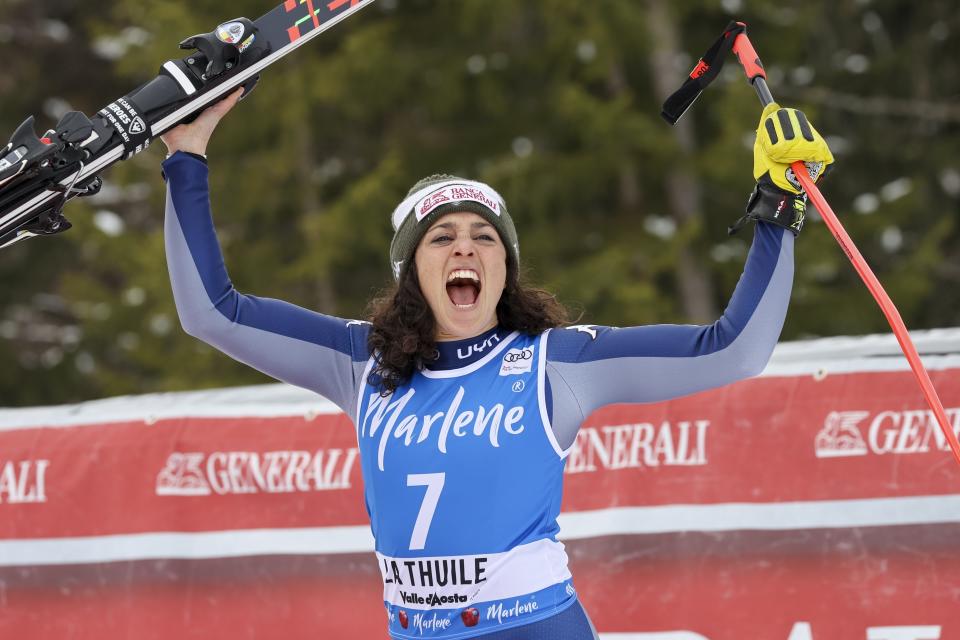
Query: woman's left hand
{"x": 784, "y": 136}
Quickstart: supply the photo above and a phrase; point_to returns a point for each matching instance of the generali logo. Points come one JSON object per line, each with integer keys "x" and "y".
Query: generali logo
{"x": 463, "y": 192}
{"x": 859, "y": 433}
{"x": 23, "y": 481}
{"x": 626, "y": 446}
{"x": 240, "y": 472}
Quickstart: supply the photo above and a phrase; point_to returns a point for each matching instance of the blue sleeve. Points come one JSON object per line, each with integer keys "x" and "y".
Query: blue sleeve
{"x": 591, "y": 366}
{"x": 308, "y": 349}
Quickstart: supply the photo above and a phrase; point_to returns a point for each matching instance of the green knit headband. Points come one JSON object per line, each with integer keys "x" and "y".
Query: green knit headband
{"x": 436, "y": 196}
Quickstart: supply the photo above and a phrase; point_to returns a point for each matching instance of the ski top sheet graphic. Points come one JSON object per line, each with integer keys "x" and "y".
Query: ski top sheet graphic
{"x": 39, "y": 175}
{"x": 311, "y": 18}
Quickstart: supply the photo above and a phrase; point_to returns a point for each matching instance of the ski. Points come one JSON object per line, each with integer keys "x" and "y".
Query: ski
{"x": 40, "y": 174}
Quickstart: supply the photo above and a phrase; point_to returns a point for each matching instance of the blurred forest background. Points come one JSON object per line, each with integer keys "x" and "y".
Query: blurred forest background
{"x": 554, "y": 102}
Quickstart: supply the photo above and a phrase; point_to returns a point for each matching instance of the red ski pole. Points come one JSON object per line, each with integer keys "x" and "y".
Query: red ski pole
{"x": 754, "y": 69}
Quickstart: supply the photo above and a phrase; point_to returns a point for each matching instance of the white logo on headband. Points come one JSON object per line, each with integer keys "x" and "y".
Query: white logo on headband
{"x": 460, "y": 192}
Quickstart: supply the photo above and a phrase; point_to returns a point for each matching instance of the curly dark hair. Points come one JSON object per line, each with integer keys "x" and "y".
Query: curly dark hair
{"x": 404, "y": 329}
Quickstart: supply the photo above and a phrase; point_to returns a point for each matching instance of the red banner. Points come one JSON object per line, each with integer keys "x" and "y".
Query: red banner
{"x": 809, "y": 503}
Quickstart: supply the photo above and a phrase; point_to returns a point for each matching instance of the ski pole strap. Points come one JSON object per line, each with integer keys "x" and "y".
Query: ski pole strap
{"x": 707, "y": 69}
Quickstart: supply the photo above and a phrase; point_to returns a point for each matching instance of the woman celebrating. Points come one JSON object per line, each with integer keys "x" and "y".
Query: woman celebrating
{"x": 465, "y": 387}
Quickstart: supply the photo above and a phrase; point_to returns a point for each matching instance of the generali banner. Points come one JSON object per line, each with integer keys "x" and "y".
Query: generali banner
{"x": 815, "y": 502}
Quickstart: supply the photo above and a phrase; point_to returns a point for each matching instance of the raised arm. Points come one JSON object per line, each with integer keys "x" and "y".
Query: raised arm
{"x": 591, "y": 366}
{"x": 319, "y": 352}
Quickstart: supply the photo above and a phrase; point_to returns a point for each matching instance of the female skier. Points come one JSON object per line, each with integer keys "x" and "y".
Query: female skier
{"x": 466, "y": 389}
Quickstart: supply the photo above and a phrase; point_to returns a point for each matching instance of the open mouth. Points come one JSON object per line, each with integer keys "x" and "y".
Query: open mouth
{"x": 463, "y": 288}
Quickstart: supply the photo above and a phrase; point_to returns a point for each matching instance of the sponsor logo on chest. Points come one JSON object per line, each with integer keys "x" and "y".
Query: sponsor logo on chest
{"x": 517, "y": 361}
{"x": 480, "y": 347}
{"x": 392, "y": 418}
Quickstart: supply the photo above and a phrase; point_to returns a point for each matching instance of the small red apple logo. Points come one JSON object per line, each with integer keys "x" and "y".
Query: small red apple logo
{"x": 404, "y": 621}
{"x": 470, "y": 617}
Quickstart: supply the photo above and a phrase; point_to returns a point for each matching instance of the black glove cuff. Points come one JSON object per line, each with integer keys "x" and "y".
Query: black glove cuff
{"x": 774, "y": 205}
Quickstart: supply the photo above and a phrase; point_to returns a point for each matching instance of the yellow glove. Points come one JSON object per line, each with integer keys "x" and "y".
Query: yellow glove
{"x": 783, "y": 137}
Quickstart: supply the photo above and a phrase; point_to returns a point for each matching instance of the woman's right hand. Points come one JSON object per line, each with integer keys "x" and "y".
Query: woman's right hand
{"x": 194, "y": 137}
